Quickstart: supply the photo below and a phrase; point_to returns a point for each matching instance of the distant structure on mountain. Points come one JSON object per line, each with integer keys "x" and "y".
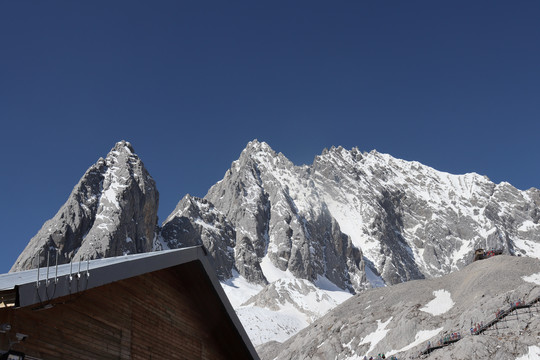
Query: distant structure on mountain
{"x": 481, "y": 254}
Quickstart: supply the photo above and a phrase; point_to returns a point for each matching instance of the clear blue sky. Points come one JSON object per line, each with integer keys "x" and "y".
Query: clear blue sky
{"x": 452, "y": 84}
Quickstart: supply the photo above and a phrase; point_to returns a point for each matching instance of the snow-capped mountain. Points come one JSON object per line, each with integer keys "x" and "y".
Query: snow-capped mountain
{"x": 354, "y": 220}
{"x": 282, "y": 221}
{"x": 351, "y": 215}
{"x": 291, "y": 242}
{"x": 111, "y": 211}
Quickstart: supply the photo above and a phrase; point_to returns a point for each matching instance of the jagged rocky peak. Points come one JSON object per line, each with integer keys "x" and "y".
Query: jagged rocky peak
{"x": 339, "y": 158}
{"x": 259, "y": 156}
{"x": 256, "y": 151}
{"x": 257, "y": 146}
{"x": 111, "y": 211}
{"x": 196, "y": 221}
{"x": 281, "y": 221}
{"x": 409, "y": 221}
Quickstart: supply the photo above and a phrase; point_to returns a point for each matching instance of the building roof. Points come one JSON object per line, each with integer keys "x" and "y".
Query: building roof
{"x": 40, "y": 286}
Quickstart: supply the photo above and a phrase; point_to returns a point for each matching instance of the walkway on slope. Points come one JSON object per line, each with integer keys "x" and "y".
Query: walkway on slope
{"x": 491, "y": 325}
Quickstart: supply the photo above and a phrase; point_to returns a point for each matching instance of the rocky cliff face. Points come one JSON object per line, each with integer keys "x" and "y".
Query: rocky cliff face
{"x": 412, "y": 221}
{"x": 196, "y": 221}
{"x": 350, "y": 215}
{"x": 111, "y": 211}
{"x": 288, "y": 241}
{"x": 282, "y": 222}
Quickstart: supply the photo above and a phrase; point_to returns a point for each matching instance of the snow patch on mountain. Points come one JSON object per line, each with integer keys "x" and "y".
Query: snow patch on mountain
{"x": 283, "y": 307}
{"x": 533, "y": 354}
{"x": 442, "y": 303}
{"x": 239, "y": 290}
{"x": 528, "y": 225}
{"x": 287, "y": 298}
{"x": 531, "y": 248}
{"x": 272, "y": 272}
{"x": 534, "y": 278}
{"x": 376, "y": 336}
{"x": 421, "y": 336}
{"x": 263, "y": 325}
{"x": 374, "y": 279}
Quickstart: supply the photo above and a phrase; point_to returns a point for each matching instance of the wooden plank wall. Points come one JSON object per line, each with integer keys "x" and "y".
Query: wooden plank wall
{"x": 169, "y": 314}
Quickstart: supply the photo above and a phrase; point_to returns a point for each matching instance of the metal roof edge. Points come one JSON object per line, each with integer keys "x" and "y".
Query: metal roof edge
{"x": 210, "y": 272}
{"x": 100, "y": 272}
{"x": 108, "y": 270}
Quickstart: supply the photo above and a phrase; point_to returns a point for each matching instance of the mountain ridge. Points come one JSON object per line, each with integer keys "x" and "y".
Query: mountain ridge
{"x": 283, "y": 233}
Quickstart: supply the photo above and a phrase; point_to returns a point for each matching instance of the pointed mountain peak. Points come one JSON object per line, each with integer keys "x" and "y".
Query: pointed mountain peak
{"x": 123, "y": 146}
{"x": 195, "y": 221}
{"x": 341, "y": 150}
{"x": 187, "y": 205}
{"x": 121, "y": 150}
{"x": 259, "y": 153}
{"x": 92, "y": 223}
{"x": 256, "y": 146}
{"x": 193, "y": 207}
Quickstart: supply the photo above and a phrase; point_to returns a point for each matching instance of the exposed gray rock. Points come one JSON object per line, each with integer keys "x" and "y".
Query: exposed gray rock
{"x": 244, "y": 201}
{"x": 277, "y": 213}
{"x": 353, "y": 214}
{"x": 196, "y": 221}
{"x": 389, "y": 320}
{"x": 111, "y": 211}
{"x": 354, "y": 219}
{"x": 412, "y": 221}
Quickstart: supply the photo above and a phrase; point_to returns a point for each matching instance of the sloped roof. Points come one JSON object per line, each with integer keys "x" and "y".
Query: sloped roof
{"x": 39, "y": 286}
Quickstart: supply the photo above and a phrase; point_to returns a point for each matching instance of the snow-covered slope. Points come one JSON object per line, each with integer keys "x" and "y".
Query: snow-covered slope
{"x": 286, "y": 305}
{"x": 412, "y": 221}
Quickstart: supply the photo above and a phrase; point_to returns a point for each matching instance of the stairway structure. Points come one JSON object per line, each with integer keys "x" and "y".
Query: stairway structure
{"x": 492, "y": 325}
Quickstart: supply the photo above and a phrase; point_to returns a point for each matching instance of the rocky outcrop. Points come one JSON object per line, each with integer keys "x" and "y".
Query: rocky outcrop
{"x": 196, "y": 221}
{"x": 111, "y": 211}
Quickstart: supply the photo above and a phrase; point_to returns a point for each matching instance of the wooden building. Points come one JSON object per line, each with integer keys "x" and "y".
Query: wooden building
{"x": 160, "y": 305}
